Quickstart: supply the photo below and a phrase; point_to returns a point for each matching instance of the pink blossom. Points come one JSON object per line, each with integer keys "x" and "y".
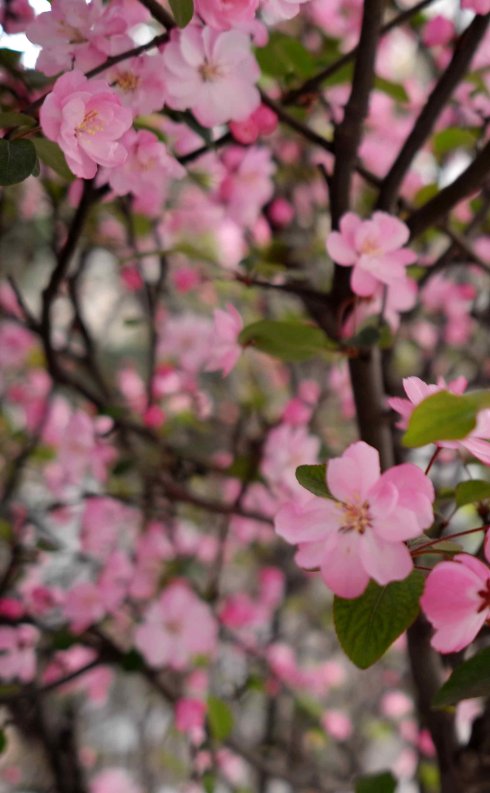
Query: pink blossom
{"x": 275, "y": 11}
{"x": 337, "y": 724}
{"x": 478, "y": 6}
{"x": 17, "y": 652}
{"x": 263, "y": 121}
{"x": 140, "y": 83}
{"x": 15, "y": 15}
{"x": 146, "y": 171}
{"x": 190, "y": 714}
{"x": 438, "y": 31}
{"x": 87, "y": 120}
{"x": 374, "y": 248}
{"x": 177, "y": 627}
{"x": 112, "y": 780}
{"x": 226, "y": 14}
{"x": 362, "y": 533}
{"x": 286, "y": 448}
{"x": 478, "y": 441}
{"x": 212, "y": 73}
{"x": 456, "y": 601}
{"x": 248, "y": 184}
{"x": 226, "y": 349}
{"x": 83, "y": 606}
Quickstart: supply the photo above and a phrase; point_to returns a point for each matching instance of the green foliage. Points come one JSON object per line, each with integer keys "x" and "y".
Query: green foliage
{"x": 50, "y": 153}
{"x": 17, "y": 161}
{"x": 376, "y": 783}
{"x": 472, "y": 491}
{"x": 395, "y": 90}
{"x": 220, "y": 718}
{"x": 452, "y": 138}
{"x": 182, "y": 11}
{"x": 313, "y": 478}
{"x": 3, "y": 741}
{"x": 289, "y": 341}
{"x": 11, "y": 119}
{"x": 471, "y": 679}
{"x": 284, "y": 56}
{"x": 444, "y": 417}
{"x": 368, "y": 625}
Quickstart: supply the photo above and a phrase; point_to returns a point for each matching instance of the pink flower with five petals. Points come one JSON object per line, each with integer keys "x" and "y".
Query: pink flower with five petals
{"x": 360, "y": 533}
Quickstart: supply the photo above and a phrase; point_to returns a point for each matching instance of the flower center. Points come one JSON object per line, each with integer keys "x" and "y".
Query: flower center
{"x": 74, "y": 35}
{"x": 485, "y": 596}
{"x": 370, "y": 247}
{"x": 90, "y": 125}
{"x": 210, "y": 71}
{"x": 356, "y": 517}
{"x": 127, "y": 81}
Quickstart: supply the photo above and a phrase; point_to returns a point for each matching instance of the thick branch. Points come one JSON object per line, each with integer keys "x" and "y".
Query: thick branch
{"x": 474, "y": 177}
{"x": 463, "y": 54}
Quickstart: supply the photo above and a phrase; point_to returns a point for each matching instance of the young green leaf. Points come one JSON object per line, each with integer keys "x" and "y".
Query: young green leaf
{"x": 17, "y": 161}
{"x": 220, "y": 718}
{"x": 472, "y": 491}
{"x": 384, "y": 782}
{"x": 50, "y": 153}
{"x": 368, "y": 625}
{"x": 471, "y": 679}
{"x": 289, "y": 341}
{"x": 182, "y": 11}
{"x": 11, "y": 119}
{"x": 444, "y": 417}
{"x": 313, "y": 478}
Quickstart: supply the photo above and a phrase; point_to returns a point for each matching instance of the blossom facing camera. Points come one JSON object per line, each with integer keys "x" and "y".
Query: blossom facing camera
{"x": 361, "y": 532}
{"x": 87, "y": 120}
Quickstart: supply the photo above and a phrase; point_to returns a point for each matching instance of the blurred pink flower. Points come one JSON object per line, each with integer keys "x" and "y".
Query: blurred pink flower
{"x": 225, "y": 350}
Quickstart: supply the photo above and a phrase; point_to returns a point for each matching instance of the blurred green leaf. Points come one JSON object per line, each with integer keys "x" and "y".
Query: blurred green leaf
{"x": 17, "y": 161}
{"x": 376, "y": 783}
{"x": 220, "y": 718}
{"x": 284, "y": 55}
{"x": 395, "y": 90}
{"x": 452, "y": 138}
{"x": 472, "y": 491}
{"x": 470, "y": 680}
{"x": 10, "y": 119}
{"x": 289, "y": 341}
{"x": 50, "y": 153}
{"x": 182, "y": 11}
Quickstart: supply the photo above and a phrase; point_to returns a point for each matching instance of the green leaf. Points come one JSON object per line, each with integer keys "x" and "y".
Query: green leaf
{"x": 444, "y": 417}
{"x": 471, "y": 679}
{"x": 283, "y": 56}
{"x": 208, "y": 782}
{"x": 11, "y": 119}
{"x": 289, "y": 341}
{"x": 313, "y": 478}
{"x": 376, "y": 783}
{"x": 395, "y": 90}
{"x": 472, "y": 491}
{"x": 368, "y": 625}
{"x": 3, "y": 741}
{"x": 220, "y": 718}
{"x": 182, "y": 11}
{"x": 452, "y": 138}
{"x": 50, "y": 153}
{"x": 17, "y": 161}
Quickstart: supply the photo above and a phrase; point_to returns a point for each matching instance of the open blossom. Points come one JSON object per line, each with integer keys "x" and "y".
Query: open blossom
{"x": 374, "y": 248}
{"x": 226, "y": 349}
{"x": 177, "y": 627}
{"x": 86, "y": 118}
{"x": 478, "y": 441}
{"x": 279, "y": 10}
{"x": 140, "y": 83}
{"x": 456, "y": 601}
{"x": 146, "y": 172}
{"x": 362, "y": 533}
{"x": 211, "y": 73}
{"x": 84, "y": 34}
{"x": 226, "y": 14}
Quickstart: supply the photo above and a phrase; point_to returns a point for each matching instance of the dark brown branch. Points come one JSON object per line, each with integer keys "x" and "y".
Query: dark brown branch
{"x": 474, "y": 177}
{"x": 314, "y": 83}
{"x": 159, "y": 13}
{"x": 464, "y": 51}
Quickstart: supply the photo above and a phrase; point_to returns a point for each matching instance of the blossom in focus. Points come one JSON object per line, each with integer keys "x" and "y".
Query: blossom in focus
{"x": 478, "y": 441}
{"x": 211, "y": 73}
{"x": 456, "y": 601}
{"x": 374, "y": 248}
{"x": 87, "y": 120}
{"x": 140, "y": 83}
{"x": 177, "y": 627}
{"x": 360, "y": 533}
{"x": 226, "y": 349}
